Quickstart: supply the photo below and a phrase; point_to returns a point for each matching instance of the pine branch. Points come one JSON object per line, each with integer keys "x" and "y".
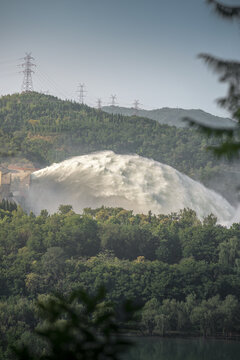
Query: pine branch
{"x": 229, "y": 71}
{"x": 210, "y": 131}
{"x": 230, "y": 68}
{"x": 227, "y": 12}
{"x": 228, "y": 149}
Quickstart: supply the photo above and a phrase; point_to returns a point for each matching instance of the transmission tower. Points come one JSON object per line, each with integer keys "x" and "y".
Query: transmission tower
{"x": 27, "y": 65}
{"x": 99, "y": 104}
{"x": 81, "y": 93}
{"x": 136, "y": 106}
{"x": 113, "y": 100}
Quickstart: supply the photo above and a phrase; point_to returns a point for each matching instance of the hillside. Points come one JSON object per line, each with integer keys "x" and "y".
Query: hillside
{"x": 44, "y": 129}
{"x": 174, "y": 117}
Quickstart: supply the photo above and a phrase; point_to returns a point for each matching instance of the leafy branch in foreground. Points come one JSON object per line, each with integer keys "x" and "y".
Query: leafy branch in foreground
{"x": 80, "y": 327}
{"x": 229, "y": 72}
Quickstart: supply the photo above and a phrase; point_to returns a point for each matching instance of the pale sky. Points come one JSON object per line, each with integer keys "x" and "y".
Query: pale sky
{"x": 136, "y": 49}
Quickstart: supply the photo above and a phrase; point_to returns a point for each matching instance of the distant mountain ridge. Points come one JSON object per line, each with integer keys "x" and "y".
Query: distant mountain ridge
{"x": 174, "y": 116}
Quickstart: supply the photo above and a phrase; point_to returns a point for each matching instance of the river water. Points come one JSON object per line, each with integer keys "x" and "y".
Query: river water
{"x": 183, "y": 349}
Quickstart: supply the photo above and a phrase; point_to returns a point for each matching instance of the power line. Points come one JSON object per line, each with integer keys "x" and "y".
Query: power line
{"x": 8, "y": 73}
{"x": 41, "y": 84}
{"x": 44, "y": 82}
{"x": 7, "y": 62}
{"x": 27, "y": 65}
{"x": 52, "y": 83}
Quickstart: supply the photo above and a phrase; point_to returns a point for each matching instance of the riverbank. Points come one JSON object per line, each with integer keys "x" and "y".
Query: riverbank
{"x": 185, "y": 335}
{"x": 158, "y": 348}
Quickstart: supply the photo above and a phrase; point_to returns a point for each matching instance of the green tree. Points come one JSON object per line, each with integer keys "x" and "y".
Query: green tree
{"x": 206, "y": 315}
{"x": 229, "y": 251}
{"x": 169, "y": 248}
{"x": 230, "y": 314}
{"x": 149, "y": 316}
{"x": 78, "y": 235}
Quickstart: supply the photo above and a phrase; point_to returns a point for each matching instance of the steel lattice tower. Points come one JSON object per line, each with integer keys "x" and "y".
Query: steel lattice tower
{"x": 113, "y": 100}
{"x": 27, "y": 65}
{"x": 81, "y": 93}
{"x": 99, "y": 104}
{"x": 136, "y": 106}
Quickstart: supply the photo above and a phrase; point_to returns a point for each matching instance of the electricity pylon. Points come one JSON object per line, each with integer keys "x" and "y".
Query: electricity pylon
{"x": 81, "y": 93}
{"x": 27, "y": 65}
{"x": 99, "y": 104}
{"x": 113, "y": 100}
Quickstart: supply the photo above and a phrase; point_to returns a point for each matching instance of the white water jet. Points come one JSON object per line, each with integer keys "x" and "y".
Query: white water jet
{"x": 128, "y": 181}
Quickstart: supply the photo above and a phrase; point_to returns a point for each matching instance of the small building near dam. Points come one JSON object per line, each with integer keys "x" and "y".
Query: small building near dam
{"x": 15, "y": 182}
{"x": 5, "y": 184}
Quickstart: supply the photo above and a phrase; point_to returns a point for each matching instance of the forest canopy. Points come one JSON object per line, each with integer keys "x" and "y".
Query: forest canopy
{"x": 177, "y": 266}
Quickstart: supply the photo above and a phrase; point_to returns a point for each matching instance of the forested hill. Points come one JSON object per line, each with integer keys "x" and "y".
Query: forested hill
{"x": 174, "y": 116}
{"x": 45, "y": 129}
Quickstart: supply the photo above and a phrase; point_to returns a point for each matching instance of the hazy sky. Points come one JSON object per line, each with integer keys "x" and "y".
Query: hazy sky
{"x": 136, "y": 49}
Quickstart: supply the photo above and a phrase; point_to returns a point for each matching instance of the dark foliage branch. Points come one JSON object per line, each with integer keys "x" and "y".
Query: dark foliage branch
{"x": 229, "y": 72}
{"x": 206, "y": 130}
{"x": 229, "y": 147}
{"x": 227, "y": 12}
{"x": 81, "y": 327}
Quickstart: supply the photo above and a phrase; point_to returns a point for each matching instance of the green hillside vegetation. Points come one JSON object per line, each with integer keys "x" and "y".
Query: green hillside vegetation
{"x": 44, "y": 129}
{"x": 185, "y": 272}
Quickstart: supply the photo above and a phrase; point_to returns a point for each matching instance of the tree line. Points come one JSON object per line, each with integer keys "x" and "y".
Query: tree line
{"x": 185, "y": 272}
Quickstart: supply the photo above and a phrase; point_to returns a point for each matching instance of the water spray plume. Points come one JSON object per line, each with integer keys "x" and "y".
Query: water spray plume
{"x": 127, "y": 181}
